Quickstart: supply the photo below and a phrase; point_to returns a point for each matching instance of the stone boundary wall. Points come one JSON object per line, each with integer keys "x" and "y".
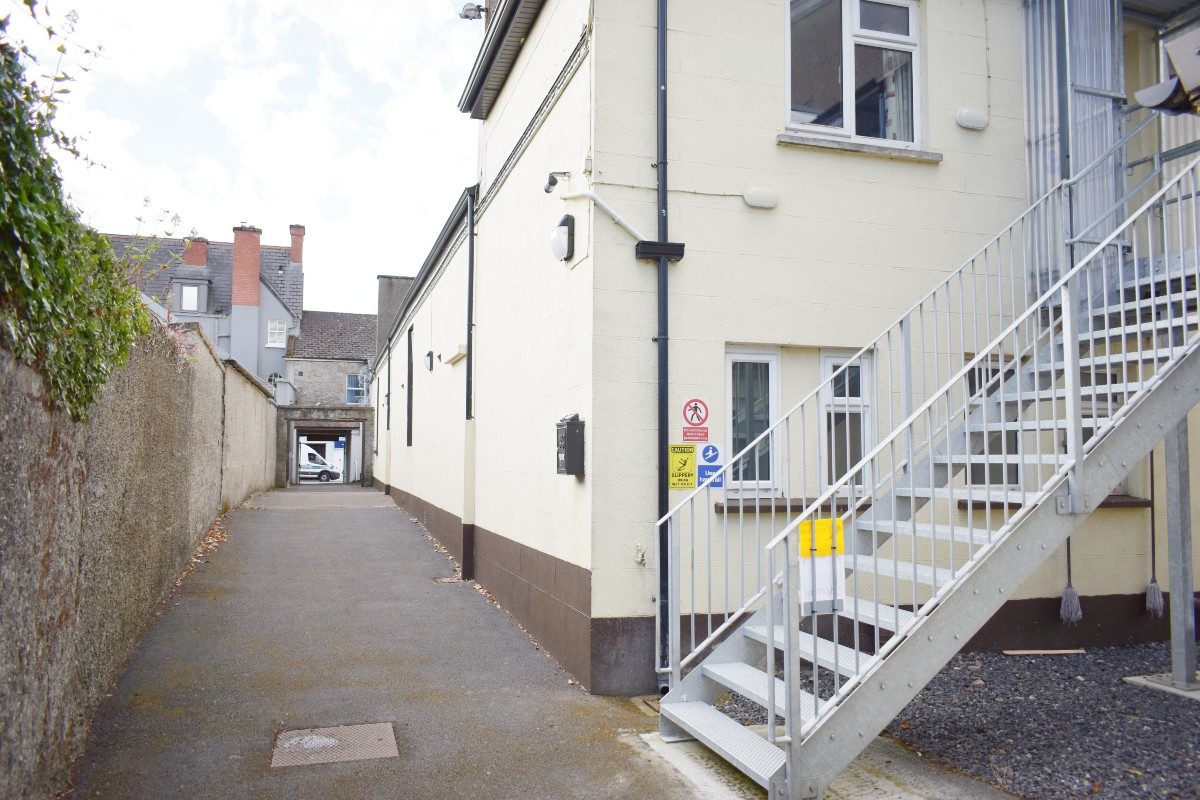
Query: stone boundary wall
{"x": 99, "y": 518}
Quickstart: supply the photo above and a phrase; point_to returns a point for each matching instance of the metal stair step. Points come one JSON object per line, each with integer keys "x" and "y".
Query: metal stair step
{"x": 1173, "y": 275}
{"x": 998, "y": 458}
{"x": 829, "y": 655}
{"x": 1103, "y": 391}
{"x": 924, "y": 530}
{"x": 900, "y": 570}
{"x": 1113, "y": 360}
{"x": 975, "y": 494}
{"x": 737, "y": 744}
{"x": 1032, "y": 425}
{"x": 751, "y": 683}
{"x": 1190, "y": 320}
{"x": 883, "y": 616}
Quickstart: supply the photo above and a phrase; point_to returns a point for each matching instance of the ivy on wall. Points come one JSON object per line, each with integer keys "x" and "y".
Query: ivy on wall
{"x": 67, "y": 305}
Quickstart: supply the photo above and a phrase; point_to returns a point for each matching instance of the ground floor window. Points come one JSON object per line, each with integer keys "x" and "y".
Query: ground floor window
{"x": 846, "y": 423}
{"x": 752, "y": 400}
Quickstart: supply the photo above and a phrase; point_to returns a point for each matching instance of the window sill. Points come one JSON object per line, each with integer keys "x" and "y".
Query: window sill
{"x": 794, "y": 139}
{"x": 275, "y": 346}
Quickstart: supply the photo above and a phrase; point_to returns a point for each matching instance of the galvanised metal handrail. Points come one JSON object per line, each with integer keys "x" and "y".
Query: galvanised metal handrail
{"x": 892, "y": 374}
{"x": 1105, "y": 318}
{"x": 876, "y": 387}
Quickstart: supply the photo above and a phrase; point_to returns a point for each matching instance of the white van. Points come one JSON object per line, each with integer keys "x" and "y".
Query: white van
{"x": 314, "y": 467}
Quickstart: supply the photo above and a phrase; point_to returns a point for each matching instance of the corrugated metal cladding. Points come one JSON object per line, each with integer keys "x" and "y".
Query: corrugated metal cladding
{"x": 492, "y": 69}
{"x": 1163, "y": 9}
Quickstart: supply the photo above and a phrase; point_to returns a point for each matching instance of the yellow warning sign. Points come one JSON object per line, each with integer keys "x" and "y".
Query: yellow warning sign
{"x": 681, "y": 466}
{"x": 824, "y": 543}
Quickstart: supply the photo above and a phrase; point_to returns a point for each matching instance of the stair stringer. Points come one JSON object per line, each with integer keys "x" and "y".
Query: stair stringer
{"x": 694, "y": 685}
{"x": 834, "y": 741}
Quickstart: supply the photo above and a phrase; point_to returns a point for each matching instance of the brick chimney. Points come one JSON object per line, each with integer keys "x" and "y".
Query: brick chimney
{"x": 247, "y": 247}
{"x": 195, "y": 251}
{"x": 297, "y": 244}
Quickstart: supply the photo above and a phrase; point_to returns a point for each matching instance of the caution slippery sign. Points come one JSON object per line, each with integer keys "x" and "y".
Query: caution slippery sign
{"x": 681, "y": 466}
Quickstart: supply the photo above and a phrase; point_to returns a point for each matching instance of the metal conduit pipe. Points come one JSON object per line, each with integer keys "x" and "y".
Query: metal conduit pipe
{"x": 606, "y": 208}
{"x": 661, "y": 339}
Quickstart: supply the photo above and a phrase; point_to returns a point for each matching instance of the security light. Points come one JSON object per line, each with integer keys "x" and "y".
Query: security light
{"x": 472, "y": 11}
{"x": 562, "y": 239}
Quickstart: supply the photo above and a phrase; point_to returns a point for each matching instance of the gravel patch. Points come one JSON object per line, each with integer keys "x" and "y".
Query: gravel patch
{"x": 1049, "y": 727}
{"x": 1060, "y": 726}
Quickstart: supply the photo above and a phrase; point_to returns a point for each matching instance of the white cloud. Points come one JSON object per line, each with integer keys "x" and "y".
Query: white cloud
{"x": 275, "y": 112}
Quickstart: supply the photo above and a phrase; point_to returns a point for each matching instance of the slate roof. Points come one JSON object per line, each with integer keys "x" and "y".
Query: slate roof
{"x": 333, "y": 334}
{"x": 166, "y": 261}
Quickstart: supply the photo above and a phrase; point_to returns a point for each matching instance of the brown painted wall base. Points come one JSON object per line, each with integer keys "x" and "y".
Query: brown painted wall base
{"x": 444, "y": 526}
{"x": 551, "y": 598}
{"x": 1108, "y": 620}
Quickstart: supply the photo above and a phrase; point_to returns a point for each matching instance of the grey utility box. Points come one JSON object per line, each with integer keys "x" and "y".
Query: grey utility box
{"x": 570, "y": 446}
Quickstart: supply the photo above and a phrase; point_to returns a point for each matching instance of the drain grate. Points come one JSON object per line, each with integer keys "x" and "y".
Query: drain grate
{"x": 329, "y": 745}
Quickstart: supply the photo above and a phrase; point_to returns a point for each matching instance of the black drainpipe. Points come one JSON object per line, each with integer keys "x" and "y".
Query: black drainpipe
{"x": 470, "y": 303}
{"x": 661, "y": 338}
{"x": 468, "y": 529}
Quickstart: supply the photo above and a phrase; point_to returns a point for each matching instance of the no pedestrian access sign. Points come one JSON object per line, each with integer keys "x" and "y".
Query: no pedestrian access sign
{"x": 695, "y": 412}
{"x": 695, "y": 417}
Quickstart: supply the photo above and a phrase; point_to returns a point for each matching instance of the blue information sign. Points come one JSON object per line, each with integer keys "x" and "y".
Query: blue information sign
{"x": 706, "y": 471}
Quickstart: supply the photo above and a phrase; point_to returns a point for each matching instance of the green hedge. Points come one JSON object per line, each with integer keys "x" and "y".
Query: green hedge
{"x": 67, "y": 306}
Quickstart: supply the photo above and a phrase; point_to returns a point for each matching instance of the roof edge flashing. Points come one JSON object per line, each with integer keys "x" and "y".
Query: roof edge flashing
{"x": 502, "y": 44}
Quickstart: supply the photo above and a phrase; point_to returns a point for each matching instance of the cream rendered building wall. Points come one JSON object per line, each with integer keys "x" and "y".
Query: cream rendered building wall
{"x": 431, "y": 468}
{"x": 534, "y": 321}
{"x": 854, "y": 241}
{"x": 383, "y": 435}
{"x": 546, "y": 49}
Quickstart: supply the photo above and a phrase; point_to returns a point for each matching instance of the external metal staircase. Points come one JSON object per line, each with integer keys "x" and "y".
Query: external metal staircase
{"x": 1001, "y": 424}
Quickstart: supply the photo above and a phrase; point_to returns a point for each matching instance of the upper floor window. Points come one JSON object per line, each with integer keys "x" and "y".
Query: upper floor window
{"x": 356, "y": 390}
{"x": 189, "y": 298}
{"x": 276, "y": 333}
{"x": 853, "y": 65}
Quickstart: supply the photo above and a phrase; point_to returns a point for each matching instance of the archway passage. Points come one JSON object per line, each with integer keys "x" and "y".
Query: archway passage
{"x": 326, "y": 454}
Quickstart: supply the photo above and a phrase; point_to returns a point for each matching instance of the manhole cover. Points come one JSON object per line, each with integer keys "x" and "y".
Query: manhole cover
{"x": 328, "y": 745}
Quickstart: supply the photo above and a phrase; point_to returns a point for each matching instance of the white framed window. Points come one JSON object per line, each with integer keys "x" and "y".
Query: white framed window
{"x": 276, "y": 333}
{"x": 189, "y": 297}
{"x": 356, "y": 391}
{"x": 752, "y": 403}
{"x": 846, "y": 410}
{"x": 854, "y": 70}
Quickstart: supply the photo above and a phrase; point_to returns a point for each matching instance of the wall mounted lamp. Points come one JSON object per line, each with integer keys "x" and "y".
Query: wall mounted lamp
{"x": 562, "y": 239}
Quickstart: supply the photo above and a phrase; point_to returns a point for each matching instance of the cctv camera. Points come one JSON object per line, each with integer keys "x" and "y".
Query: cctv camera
{"x": 552, "y": 180}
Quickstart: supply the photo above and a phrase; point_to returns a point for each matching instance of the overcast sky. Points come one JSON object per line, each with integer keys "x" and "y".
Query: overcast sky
{"x": 338, "y": 116}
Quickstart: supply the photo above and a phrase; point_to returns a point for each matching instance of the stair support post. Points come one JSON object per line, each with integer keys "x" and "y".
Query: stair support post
{"x": 1179, "y": 557}
{"x": 906, "y": 382}
{"x": 674, "y": 615}
{"x": 1075, "y": 502}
